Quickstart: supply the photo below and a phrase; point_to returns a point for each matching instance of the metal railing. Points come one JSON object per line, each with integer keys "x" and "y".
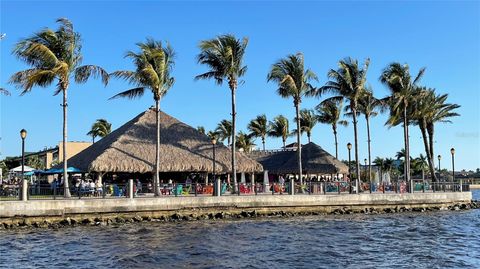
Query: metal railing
{"x": 139, "y": 190}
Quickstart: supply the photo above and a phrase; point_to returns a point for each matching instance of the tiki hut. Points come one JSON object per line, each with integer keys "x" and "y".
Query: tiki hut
{"x": 315, "y": 160}
{"x": 131, "y": 149}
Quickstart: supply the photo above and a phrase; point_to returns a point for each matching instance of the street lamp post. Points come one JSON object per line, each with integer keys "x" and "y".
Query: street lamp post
{"x": 367, "y": 172}
{"x": 23, "y": 135}
{"x": 349, "y": 147}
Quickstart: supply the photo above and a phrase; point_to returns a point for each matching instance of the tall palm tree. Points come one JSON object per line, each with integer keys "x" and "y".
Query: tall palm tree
{"x": 100, "y": 128}
{"x": 329, "y": 113}
{"x": 153, "y": 66}
{"x": 348, "y": 82}
{"x": 244, "y": 142}
{"x": 402, "y": 87}
{"x": 258, "y": 127}
{"x": 369, "y": 106}
{"x": 293, "y": 81}
{"x": 308, "y": 120}
{"x": 279, "y": 128}
{"x": 224, "y": 131}
{"x": 55, "y": 56}
{"x": 224, "y": 56}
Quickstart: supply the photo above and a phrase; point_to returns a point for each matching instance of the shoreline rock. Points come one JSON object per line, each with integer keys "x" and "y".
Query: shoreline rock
{"x": 114, "y": 219}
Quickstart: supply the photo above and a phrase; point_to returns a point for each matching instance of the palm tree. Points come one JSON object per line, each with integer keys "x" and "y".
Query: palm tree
{"x": 224, "y": 56}
{"x": 201, "y": 129}
{"x": 55, "y": 56}
{"x": 4, "y": 91}
{"x": 440, "y": 112}
{"x": 369, "y": 106}
{"x": 402, "y": 87}
{"x": 244, "y": 142}
{"x": 329, "y": 113}
{"x": 279, "y": 128}
{"x": 153, "y": 67}
{"x": 380, "y": 162}
{"x": 419, "y": 165}
{"x": 100, "y": 128}
{"x": 212, "y": 135}
{"x": 293, "y": 81}
{"x": 308, "y": 120}
{"x": 224, "y": 131}
{"x": 258, "y": 127}
{"x": 348, "y": 82}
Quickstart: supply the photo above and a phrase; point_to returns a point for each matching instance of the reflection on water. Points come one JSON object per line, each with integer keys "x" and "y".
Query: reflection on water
{"x": 411, "y": 240}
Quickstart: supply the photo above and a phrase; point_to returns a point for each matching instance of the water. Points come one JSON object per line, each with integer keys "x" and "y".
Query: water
{"x": 445, "y": 239}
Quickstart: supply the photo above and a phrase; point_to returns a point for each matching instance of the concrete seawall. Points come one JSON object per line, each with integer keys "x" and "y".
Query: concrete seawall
{"x": 169, "y": 205}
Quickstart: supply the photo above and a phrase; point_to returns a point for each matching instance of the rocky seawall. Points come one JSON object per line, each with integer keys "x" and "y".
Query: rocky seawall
{"x": 216, "y": 213}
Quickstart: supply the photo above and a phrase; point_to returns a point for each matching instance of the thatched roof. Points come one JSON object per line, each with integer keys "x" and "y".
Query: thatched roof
{"x": 315, "y": 160}
{"x": 131, "y": 148}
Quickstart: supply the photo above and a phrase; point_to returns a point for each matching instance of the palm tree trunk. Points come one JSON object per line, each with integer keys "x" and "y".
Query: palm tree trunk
{"x": 369, "y": 152}
{"x": 234, "y": 161}
{"x": 284, "y": 143}
{"x": 156, "y": 181}
{"x": 427, "y": 151}
{"x": 299, "y": 142}
{"x": 407, "y": 148}
{"x": 430, "y": 130}
{"x": 336, "y": 141}
{"x": 64, "y": 145}
{"x": 357, "y": 168}
{"x": 308, "y": 136}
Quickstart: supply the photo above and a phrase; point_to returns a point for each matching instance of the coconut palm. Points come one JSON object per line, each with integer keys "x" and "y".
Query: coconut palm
{"x": 224, "y": 131}
{"x": 55, "y": 57}
{"x": 329, "y": 113}
{"x": 153, "y": 66}
{"x": 224, "y": 56}
{"x": 258, "y": 127}
{"x": 369, "y": 106}
{"x": 308, "y": 120}
{"x": 348, "y": 82}
{"x": 201, "y": 129}
{"x": 279, "y": 128}
{"x": 212, "y": 135}
{"x": 402, "y": 87}
{"x": 244, "y": 142}
{"x": 100, "y": 128}
{"x": 293, "y": 81}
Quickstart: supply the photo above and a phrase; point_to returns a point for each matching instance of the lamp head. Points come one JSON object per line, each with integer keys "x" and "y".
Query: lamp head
{"x": 214, "y": 141}
{"x": 23, "y": 133}
{"x": 439, "y": 157}
{"x": 365, "y": 160}
{"x": 452, "y": 150}
{"x": 349, "y": 145}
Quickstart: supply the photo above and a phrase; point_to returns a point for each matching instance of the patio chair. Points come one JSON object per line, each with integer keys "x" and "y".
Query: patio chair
{"x": 178, "y": 190}
{"x": 187, "y": 190}
{"x": 224, "y": 188}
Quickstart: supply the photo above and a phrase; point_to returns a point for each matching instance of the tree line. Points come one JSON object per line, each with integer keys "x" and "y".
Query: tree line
{"x": 55, "y": 59}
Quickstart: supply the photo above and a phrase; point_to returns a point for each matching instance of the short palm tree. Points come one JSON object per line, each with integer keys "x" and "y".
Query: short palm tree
{"x": 244, "y": 142}
{"x": 201, "y": 129}
{"x": 308, "y": 120}
{"x": 258, "y": 127}
{"x": 224, "y": 56}
{"x": 224, "y": 131}
{"x": 293, "y": 82}
{"x": 100, "y": 128}
{"x": 279, "y": 128}
{"x": 402, "y": 87}
{"x": 369, "y": 106}
{"x": 419, "y": 165}
{"x": 153, "y": 66}
{"x": 55, "y": 57}
{"x": 329, "y": 113}
{"x": 348, "y": 82}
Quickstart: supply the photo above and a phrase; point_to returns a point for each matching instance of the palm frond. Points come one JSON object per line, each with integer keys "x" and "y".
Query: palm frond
{"x": 83, "y": 73}
{"x": 131, "y": 93}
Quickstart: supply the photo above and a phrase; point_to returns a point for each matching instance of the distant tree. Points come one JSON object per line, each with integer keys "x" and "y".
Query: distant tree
{"x": 201, "y": 129}
{"x": 35, "y": 162}
{"x": 100, "y": 128}
{"x": 224, "y": 131}
{"x": 279, "y": 128}
{"x": 258, "y": 127}
{"x": 244, "y": 142}
{"x": 308, "y": 120}
{"x": 329, "y": 113}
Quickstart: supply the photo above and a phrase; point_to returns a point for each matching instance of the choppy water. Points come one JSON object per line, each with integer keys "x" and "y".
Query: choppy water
{"x": 411, "y": 240}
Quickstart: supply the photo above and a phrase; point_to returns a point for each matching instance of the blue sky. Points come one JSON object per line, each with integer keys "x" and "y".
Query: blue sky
{"x": 442, "y": 36}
